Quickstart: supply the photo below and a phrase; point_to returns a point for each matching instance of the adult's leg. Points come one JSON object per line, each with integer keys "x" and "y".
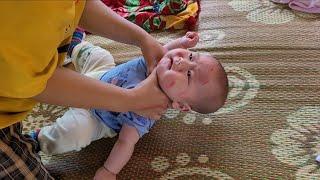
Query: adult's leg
{"x": 18, "y": 156}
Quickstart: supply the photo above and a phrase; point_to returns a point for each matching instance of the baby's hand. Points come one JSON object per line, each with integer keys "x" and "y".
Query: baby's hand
{"x": 103, "y": 174}
{"x": 189, "y": 40}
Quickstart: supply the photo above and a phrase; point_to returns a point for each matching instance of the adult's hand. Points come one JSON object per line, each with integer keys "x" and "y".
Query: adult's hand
{"x": 151, "y": 101}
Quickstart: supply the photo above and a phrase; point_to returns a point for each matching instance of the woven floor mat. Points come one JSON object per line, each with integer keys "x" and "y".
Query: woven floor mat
{"x": 270, "y": 126}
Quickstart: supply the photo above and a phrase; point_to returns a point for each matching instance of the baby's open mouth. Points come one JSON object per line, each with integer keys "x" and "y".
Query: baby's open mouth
{"x": 170, "y": 63}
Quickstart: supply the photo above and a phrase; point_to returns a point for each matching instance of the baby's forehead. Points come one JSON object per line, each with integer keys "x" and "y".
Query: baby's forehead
{"x": 207, "y": 73}
{"x": 206, "y": 67}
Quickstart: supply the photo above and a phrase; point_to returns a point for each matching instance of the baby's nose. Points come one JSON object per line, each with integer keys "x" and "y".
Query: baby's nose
{"x": 183, "y": 64}
{"x": 187, "y": 64}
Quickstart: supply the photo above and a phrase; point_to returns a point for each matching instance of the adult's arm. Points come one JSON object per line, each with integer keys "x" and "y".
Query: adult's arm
{"x": 69, "y": 88}
{"x": 101, "y": 20}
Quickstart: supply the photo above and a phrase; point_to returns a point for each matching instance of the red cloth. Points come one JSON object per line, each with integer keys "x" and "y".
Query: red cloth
{"x": 147, "y": 14}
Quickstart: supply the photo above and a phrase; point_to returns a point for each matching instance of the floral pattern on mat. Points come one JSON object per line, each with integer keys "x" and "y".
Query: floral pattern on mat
{"x": 42, "y": 115}
{"x": 263, "y": 11}
{"x": 184, "y": 169}
{"x": 299, "y": 144}
{"x": 243, "y": 88}
{"x": 187, "y": 118}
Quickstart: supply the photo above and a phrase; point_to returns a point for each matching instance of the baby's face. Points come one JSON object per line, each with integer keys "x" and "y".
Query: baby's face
{"x": 184, "y": 75}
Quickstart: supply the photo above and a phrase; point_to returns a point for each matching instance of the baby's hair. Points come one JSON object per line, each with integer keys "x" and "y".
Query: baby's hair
{"x": 216, "y": 99}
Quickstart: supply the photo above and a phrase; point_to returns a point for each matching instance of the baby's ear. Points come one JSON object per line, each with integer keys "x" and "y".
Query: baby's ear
{"x": 181, "y": 106}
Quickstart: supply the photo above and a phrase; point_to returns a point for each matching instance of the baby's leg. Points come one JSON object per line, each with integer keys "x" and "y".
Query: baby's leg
{"x": 76, "y": 129}
{"x": 121, "y": 151}
{"x": 91, "y": 60}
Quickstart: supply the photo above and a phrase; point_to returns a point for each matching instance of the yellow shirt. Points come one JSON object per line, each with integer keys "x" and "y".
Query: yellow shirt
{"x": 30, "y": 33}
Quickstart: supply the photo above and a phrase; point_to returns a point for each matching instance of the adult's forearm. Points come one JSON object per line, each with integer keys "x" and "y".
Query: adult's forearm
{"x": 69, "y": 88}
{"x": 99, "y": 19}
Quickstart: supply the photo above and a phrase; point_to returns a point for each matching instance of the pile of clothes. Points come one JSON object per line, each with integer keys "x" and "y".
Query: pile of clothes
{"x": 154, "y": 15}
{"x": 308, "y": 6}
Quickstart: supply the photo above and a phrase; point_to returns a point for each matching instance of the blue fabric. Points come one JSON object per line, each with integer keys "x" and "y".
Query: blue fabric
{"x": 126, "y": 75}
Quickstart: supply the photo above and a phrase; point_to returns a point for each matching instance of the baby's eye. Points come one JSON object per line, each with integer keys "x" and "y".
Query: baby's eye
{"x": 189, "y": 76}
{"x": 190, "y": 57}
{"x": 189, "y": 73}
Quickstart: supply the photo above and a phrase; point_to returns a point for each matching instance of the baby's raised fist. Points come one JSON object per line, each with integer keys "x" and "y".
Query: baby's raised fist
{"x": 189, "y": 40}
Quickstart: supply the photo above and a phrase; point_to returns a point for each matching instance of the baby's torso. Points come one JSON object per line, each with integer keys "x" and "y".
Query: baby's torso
{"x": 126, "y": 75}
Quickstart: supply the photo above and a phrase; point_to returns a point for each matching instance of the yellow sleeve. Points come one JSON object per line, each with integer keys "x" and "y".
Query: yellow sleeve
{"x": 30, "y": 34}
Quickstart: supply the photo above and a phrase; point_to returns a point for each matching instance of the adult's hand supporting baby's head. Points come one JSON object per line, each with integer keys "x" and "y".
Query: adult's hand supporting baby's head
{"x": 151, "y": 100}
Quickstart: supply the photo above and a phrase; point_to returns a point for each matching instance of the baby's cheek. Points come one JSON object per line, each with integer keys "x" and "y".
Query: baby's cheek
{"x": 169, "y": 76}
{"x": 169, "y": 84}
{"x": 167, "y": 81}
{"x": 173, "y": 81}
{"x": 183, "y": 94}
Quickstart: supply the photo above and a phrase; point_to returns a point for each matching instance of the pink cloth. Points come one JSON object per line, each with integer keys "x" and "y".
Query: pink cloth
{"x": 309, "y": 6}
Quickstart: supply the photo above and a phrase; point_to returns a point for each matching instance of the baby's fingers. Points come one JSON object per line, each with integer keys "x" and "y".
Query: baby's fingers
{"x": 191, "y": 35}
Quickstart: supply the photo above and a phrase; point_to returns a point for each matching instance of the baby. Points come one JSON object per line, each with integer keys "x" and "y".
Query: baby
{"x": 192, "y": 81}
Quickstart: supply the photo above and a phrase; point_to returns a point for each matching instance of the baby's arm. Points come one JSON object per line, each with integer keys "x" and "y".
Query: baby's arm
{"x": 188, "y": 41}
{"x": 120, "y": 153}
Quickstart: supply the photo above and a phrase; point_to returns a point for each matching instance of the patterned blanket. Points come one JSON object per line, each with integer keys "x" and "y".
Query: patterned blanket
{"x": 158, "y": 14}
